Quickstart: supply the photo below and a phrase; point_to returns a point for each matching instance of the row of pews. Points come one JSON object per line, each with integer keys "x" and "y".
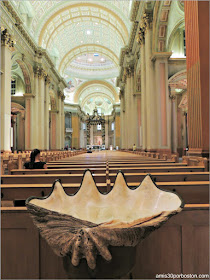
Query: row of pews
{"x": 177, "y": 247}
{"x": 16, "y": 160}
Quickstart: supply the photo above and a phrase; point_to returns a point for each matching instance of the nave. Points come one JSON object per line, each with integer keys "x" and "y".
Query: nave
{"x": 177, "y": 247}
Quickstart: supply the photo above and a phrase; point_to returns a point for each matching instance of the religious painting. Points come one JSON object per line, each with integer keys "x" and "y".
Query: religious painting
{"x": 71, "y": 84}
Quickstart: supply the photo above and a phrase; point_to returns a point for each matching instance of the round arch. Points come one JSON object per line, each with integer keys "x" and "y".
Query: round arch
{"x": 94, "y": 5}
{"x": 180, "y": 24}
{"x": 71, "y": 55}
{"x": 26, "y": 70}
{"x": 61, "y": 26}
{"x": 95, "y": 82}
{"x": 178, "y": 80}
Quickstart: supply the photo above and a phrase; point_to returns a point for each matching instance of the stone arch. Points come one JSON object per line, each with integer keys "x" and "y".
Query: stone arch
{"x": 181, "y": 23}
{"x": 179, "y": 80}
{"x": 26, "y": 70}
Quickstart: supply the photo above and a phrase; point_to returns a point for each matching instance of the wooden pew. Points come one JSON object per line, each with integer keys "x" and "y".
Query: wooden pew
{"x": 164, "y": 177}
{"x": 57, "y": 171}
{"x": 84, "y": 166}
{"x": 118, "y": 166}
{"x": 48, "y": 178}
{"x": 150, "y": 169}
{"x": 191, "y": 192}
{"x": 14, "y": 192}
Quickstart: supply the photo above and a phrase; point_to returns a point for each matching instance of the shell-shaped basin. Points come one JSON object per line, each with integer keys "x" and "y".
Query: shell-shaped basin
{"x": 89, "y": 224}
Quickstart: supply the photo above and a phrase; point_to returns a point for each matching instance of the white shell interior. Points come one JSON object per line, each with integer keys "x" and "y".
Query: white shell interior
{"x": 122, "y": 203}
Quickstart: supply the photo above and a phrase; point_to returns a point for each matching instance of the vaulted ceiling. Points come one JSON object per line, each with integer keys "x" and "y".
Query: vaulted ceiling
{"x": 84, "y": 39}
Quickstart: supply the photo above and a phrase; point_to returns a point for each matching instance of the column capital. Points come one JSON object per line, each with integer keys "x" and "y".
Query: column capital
{"x": 130, "y": 71}
{"x": 6, "y": 39}
{"x": 40, "y": 72}
{"x": 141, "y": 35}
{"x": 172, "y": 97}
{"x": 61, "y": 95}
{"x": 147, "y": 20}
{"x": 161, "y": 55}
{"x": 47, "y": 80}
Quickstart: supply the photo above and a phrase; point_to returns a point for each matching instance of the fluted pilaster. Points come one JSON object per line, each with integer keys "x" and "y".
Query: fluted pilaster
{"x": 197, "y": 53}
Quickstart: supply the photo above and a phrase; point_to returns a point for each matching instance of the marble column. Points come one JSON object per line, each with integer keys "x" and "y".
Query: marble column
{"x": 21, "y": 132}
{"x": 106, "y": 135}
{"x": 91, "y": 135}
{"x": 7, "y": 46}
{"x": 141, "y": 41}
{"x": 35, "y": 110}
{"x": 46, "y": 120}
{"x": 161, "y": 97}
{"x": 151, "y": 110}
{"x": 41, "y": 111}
{"x": 138, "y": 139}
{"x": 53, "y": 129}
{"x": 174, "y": 136}
{"x": 76, "y": 130}
{"x": 58, "y": 125}
{"x": 122, "y": 118}
{"x": 197, "y": 56}
{"x": 133, "y": 113}
{"x": 117, "y": 130}
{"x": 126, "y": 114}
{"x": 29, "y": 119}
{"x": 62, "y": 122}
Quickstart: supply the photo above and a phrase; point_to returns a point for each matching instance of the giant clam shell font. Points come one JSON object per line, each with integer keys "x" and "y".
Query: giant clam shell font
{"x": 86, "y": 224}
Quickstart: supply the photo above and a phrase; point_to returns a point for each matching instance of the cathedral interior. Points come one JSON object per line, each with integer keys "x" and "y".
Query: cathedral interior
{"x": 128, "y": 78}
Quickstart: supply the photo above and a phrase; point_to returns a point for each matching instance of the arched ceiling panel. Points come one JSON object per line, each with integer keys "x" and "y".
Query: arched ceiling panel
{"x": 46, "y": 9}
{"x": 77, "y": 34}
{"x": 96, "y": 86}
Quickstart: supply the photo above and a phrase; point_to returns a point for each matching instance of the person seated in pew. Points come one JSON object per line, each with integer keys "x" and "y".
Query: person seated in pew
{"x": 35, "y": 162}
{"x": 134, "y": 147}
{"x": 89, "y": 151}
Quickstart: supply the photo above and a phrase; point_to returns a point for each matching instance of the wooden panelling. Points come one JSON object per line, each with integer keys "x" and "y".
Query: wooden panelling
{"x": 19, "y": 246}
{"x": 51, "y": 266}
{"x": 179, "y": 246}
{"x": 159, "y": 253}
